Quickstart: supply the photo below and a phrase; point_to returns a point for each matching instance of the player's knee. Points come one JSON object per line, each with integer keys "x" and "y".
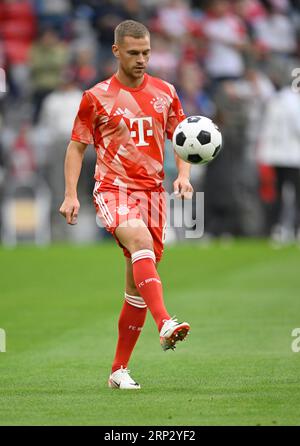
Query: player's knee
{"x": 141, "y": 241}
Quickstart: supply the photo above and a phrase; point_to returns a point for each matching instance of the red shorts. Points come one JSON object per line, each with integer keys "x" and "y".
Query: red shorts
{"x": 116, "y": 207}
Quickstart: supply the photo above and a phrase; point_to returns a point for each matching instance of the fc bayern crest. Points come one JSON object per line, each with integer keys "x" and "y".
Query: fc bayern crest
{"x": 159, "y": 104}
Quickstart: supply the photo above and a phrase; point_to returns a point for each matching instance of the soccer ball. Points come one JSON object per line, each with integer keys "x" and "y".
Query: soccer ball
{"x": 197, "y": 140}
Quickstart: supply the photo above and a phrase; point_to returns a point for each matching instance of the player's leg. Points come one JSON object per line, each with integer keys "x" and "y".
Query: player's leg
{"x": 131, "y": 321}
{"x": 171, "y": 331}
{"x": 135, "y": 236}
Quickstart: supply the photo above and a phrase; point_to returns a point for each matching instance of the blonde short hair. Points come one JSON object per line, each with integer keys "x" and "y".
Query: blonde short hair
{"x": 130, "y": 28}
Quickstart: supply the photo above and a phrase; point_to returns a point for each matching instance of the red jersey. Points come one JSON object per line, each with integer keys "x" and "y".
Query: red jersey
{"x": 127, "y": 127}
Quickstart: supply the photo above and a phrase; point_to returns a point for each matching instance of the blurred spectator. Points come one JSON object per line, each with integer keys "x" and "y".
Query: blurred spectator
{"x": 227, "y": 38}
{"x": 275, "y": 32}
{"x": 49, "y": 56}
{"x": 279, "y": 148}
{"x": 19, "y": 154}
{"x": 84, "y": 68}
{"x": 251, "y": 93}
{"x": 17, "y": 31}
{"x": 60, "y": 107}
{"x": 57, "y": 116}
{"x": 22, "y": 162}
{"x": 256, "y": 88}
{"x": 164, "y": 61}
{"x": 173, "y": 19}
{"x": 225, "y": 176}
{"x": 250, "y": 11}
{"x": 53, "y": 14}
{"x": 194, "y": 98}
{"x": 83, "y": 48}
{"x": 108, "y": 14}
{"x": 83, "y": 34}
{"x": 134, "y": 10}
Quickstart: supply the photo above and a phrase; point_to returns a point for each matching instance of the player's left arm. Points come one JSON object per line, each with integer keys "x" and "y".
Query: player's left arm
{"x": 182, "y": 186}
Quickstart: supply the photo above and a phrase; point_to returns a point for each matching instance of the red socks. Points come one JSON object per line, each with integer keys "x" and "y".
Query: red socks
{"x": 131, "y": 321}
{"x": 148, "y": 284}
{"x": 133, "y": 314}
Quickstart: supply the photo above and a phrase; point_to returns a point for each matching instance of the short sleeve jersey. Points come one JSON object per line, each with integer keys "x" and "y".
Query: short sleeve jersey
{"x": 127, "y": 127}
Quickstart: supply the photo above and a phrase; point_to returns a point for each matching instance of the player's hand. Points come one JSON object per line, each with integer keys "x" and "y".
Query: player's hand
{"x": 69, "y": 209}
{"x": 183, "y": 188}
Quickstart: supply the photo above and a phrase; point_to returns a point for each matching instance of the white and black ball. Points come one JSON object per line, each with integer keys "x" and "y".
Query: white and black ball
{"x": 197, "y": 140}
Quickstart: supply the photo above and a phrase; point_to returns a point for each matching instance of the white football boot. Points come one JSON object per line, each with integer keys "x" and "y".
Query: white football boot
{"x": 120, "y": 379}
{"x": 171, "y": 332}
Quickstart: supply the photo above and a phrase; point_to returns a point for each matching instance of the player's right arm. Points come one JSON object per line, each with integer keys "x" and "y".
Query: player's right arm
{"x": 73, "y": 163}
{"x": 82, "y": 135}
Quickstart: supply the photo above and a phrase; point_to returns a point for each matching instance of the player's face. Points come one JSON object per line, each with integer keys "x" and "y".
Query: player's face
{"x": 133, "y": 55}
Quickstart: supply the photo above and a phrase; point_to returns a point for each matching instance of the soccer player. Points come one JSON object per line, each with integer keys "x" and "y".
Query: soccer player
{"x": 126, "y": 117}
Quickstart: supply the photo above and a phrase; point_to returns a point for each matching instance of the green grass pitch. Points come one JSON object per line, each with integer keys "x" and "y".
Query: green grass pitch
{"x": 59, "y": 307}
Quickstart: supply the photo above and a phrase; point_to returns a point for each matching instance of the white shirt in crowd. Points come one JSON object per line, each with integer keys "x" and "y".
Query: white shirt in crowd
{"x": 279, "y": 141}
{"x": 223, "y": 58}
{"x": 276, "y": 33}
{"x": 59, "y": 111}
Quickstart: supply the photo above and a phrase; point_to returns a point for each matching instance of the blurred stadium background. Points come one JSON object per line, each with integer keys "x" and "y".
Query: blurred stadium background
{"x": 234, "y": 61}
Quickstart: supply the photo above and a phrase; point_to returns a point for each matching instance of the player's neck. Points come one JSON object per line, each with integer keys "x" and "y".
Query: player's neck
{"x": 129, "y": 81}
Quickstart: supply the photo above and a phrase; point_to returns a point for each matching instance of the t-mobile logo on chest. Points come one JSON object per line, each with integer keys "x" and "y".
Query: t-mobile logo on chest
{"x": 142, "y": 130}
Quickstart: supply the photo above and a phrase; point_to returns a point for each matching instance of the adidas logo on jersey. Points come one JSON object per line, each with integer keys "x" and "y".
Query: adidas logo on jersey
{"x": 120, "y": 111}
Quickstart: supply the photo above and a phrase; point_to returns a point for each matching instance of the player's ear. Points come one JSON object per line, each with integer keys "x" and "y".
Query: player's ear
{"x": 115, "y": 50}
